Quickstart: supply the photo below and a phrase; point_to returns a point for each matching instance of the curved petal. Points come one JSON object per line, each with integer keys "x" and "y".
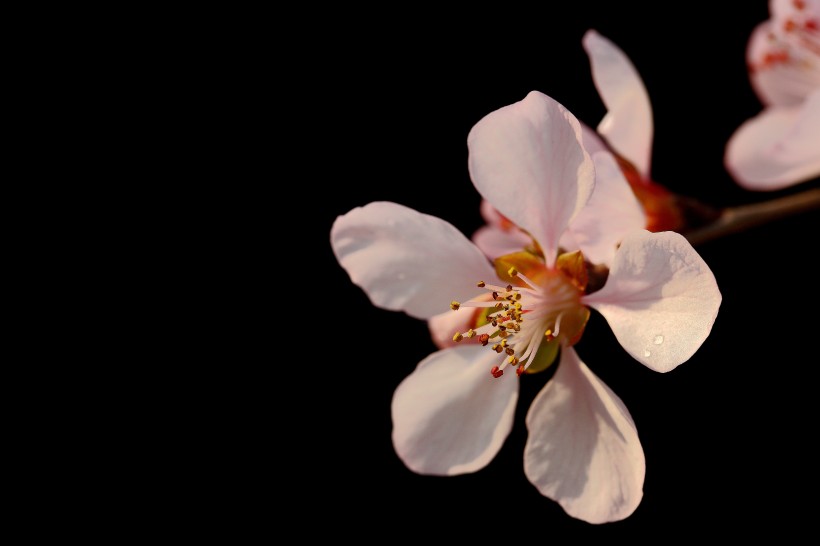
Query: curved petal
{"x": 627, "y": 125}
{"x": 592, "y": 141}
{"x": 611, "y": 213}
{"x": 777, "y": 148}
{"x": 583, "y": 449}
{"x": 490, "y": 215}
{"x": 527, "y": 160}
{"x": 495, "y": 242}
{"x": 451, "y": 416}
{"x": 783, "y": 67}
{"x": 407, "y": 261}
{"x": 660, "y": 299}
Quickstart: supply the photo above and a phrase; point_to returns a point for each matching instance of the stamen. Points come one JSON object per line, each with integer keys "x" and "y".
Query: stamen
{"x": 532, "y": 350}
{"x": 478, "y": 304}
{"x": 526, "y": 280}
{"x": 470, "y": 333}
{"x": 454, "y": 305}
{"x": 558, "y": 324}
{"x": 496, "y": 372}
{"x": 480, "y": 284}
{"x": 484, "y": 339}
{"x": 457, "y": 337}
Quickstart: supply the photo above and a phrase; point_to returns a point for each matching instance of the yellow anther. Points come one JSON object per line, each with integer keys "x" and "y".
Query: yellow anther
{"x": 458, "y": 337}
{"x": 518, "y": 295}
{"x": 471, "y": 333}
{"x": 517, "y": 305}
{"x": 498, "y": 305}
{"x": 503, "y": 342}
{"x": 548, "y": 333}
{"x": 480, "y": 284}
{"x": 512, "y": 272}
{"x": 512, "y": 360}
{"x": 454, "y": 305}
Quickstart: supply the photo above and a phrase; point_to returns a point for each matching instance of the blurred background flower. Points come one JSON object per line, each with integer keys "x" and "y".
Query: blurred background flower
{"x": 780, "y": 145}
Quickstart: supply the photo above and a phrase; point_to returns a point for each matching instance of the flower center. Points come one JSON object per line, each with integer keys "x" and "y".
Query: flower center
{"x": 520, "y": 319}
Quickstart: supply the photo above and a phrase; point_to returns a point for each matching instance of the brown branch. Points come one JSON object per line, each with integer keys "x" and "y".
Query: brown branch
{"x": 742, "y": 217}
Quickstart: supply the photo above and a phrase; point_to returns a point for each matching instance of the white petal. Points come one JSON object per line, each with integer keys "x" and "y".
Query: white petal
{"x": 583, "y": 449}
{"x": 777, "y": 148}
{"x": 451, "y": 416}
{"x": 611, "y": 213}
{"x": 782, "y": 69}
{"x": 495, "y": 242}
{"x": 405, "y": 260}
{"x": 660, "y": 299}
{"x": 627, "y": 125}
{"x": 527, "y": 160}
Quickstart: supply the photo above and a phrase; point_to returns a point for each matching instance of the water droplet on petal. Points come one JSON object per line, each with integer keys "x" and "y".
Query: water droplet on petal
{"x": 658, "y": 340}
{"x": 646, "y": 353}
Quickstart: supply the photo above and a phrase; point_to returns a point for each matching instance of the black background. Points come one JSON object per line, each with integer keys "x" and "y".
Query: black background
{"x": 728, "y": 436}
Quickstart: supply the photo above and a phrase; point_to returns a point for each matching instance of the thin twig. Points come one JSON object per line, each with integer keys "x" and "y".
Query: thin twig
{"x": 739, "y": 218}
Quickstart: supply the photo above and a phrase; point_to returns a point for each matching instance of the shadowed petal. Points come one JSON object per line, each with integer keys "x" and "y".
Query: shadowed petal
{"x": 611, "y": 213}
{"x": 495, "y": 242}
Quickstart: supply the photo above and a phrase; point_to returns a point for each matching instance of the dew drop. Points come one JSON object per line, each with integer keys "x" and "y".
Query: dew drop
{"x": 646, "y": 353}
{"x": 658, "y": 340}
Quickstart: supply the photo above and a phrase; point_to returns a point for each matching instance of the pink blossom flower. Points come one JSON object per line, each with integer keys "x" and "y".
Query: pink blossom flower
{"x": 453, "y": 413}
{"x": 780, "y": 146}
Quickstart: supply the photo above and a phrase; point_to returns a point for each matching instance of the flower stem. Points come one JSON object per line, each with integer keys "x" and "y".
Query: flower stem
{"x": 742, "y": 217}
